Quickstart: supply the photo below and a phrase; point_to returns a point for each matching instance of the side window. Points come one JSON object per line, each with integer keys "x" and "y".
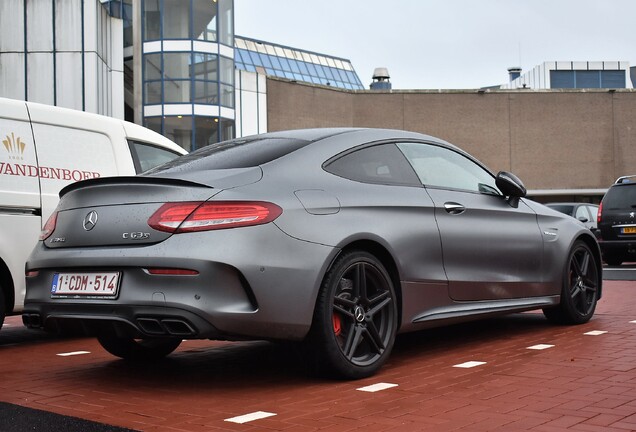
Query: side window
{"x": 148, "y": 156}
{"x": 581, "y": 212}
{"x": 444, "y": 168}
{"x": 593, "y": 212}
{"x": 381, "y": 164}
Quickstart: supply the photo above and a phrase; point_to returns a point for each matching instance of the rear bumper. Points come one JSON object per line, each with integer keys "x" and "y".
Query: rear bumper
{"x": 261, "y": 285}
{"x": 618, "y": 247}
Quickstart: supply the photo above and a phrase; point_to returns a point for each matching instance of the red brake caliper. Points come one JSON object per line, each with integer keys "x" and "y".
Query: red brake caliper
{"x": 337, "y": 324}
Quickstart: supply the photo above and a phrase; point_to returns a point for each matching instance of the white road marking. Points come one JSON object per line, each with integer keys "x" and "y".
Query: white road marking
{"x": 377, "y": 387}
{"x": 540, "y": 347}
{"x": 250, "y": 417}
{"x": 470, "y": 364}
{"x": 595, "y": 332}
{"x": 74, "y": 353}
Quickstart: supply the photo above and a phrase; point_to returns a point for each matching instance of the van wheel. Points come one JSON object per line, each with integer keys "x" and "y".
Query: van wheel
{"x": 137, "y": 349}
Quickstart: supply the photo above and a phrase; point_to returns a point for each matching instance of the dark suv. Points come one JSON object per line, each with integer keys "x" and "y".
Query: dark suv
{"x": 617, "y": 222}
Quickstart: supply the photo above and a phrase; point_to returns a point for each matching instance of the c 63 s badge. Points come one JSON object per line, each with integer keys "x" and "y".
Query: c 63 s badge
{"x": 135, "y": 235}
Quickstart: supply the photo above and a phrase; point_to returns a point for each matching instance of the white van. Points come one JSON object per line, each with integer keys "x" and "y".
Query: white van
{"x": 44, "y": 148}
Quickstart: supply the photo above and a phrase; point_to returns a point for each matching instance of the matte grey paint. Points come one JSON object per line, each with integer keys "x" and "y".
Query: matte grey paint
{"x": 263, "y": 281}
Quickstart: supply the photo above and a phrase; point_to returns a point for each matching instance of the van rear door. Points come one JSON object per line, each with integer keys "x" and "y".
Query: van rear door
{"x": 19, "y": 182}
{"x": 20, "y": 206}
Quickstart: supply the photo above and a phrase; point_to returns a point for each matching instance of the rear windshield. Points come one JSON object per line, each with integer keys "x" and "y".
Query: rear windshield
{"x": 239, "y": 153}
{"x": 620, "y": 197}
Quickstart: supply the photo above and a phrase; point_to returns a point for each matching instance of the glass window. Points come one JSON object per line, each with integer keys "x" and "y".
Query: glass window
{"x": 204, "y": 20}
{"x": 176, "y": 19}
{"x": 256, "y": 59}
{"x": 152, "y": 92}
{"x": 620, "y": 197}
{"x": 239, "y": 153}
{"x": 243, "y": 55}
{"x": 152, "y": 66}
{"x": 176, "y": 91}
{"x": 226, "y": 23}
{"x": 294, "y": 66}
{"x": 227, "y": 95}
{"x": 275, "y": 62}
{"x": 146, "y": 156}
{"x": 205, "y": 67}
{"x": 179, "y": 130}
{"x": 567, "y": 209}
{"x": 380, "y": 164}
{"x": 207, "y": 131}
{"x": 227, "y": 70}
{"x": 445, "y": 168}
{"x": 227, "y": 129}
{"x": 285, "y": 64}
{"x": 312, "y": 69}
{"x": 206, "y": 92}
{"x": 176, "y": 65}
{"x": 265, "y": 60}
{"x": 153, "y": 123}
{"x": 581, "y": 212}
{"x": 593, "y": 212}
{"x": 303, "y": 68}
{"x": 152, "y": 20}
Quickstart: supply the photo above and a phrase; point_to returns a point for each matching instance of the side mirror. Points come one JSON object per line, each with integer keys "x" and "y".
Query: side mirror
{"x": 583, "y": 219}
{"x": 510, "y": 185}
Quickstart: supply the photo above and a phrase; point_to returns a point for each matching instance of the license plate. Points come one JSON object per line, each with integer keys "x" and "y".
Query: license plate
{"x": 629, "y": 230}
{"x": 97, "y": 285}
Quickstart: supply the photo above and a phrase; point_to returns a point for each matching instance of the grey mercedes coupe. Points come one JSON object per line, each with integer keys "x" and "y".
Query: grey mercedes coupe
{"x": 336, "y": 238}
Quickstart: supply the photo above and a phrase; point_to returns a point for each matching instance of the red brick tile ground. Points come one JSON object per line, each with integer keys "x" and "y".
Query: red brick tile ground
{"x": 583, "y": 383}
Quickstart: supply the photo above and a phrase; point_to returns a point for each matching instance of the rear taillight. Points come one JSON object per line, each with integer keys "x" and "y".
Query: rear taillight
{"x": 49, "y": 227}
{"x": 600, "y": 211}
{"x": 195, "y": 216}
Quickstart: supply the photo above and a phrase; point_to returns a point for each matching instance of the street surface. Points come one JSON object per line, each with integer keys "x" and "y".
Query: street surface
{"x": 505, "y": 374}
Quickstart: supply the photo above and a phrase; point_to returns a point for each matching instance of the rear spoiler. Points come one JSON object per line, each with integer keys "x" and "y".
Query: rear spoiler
{"x": 129, "y": 179}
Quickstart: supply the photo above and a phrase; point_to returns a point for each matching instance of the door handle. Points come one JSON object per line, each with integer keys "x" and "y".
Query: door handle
{"x": 454, "y": 208}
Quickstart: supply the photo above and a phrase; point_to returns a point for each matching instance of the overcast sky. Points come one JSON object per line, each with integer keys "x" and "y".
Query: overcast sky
{"x": 450, "y": 44}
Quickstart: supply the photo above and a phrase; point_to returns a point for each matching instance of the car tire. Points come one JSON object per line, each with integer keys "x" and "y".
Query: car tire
{"x": 137, "y": 349}
{"x": 579, "y": 295}
{"x": 355, "y": 319}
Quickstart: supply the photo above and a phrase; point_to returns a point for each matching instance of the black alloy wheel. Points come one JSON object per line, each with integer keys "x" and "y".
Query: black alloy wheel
{"x": 580, "y": 288}
{"x": 356, "y": 317}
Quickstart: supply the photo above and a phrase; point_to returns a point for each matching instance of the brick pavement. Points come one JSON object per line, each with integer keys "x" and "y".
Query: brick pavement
{"x": 582, "y": 383}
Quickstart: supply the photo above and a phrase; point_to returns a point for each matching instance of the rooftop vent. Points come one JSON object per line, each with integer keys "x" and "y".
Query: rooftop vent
{"x": 381, "y": 79}
{"x": 514, "y": 72}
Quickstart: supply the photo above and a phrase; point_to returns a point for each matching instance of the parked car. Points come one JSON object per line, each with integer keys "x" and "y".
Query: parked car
{"x": 44, "y": 148}
{"x": 617, "y": 222}
{"x": 584, "y": 212}
{"x": 339, "y": 238}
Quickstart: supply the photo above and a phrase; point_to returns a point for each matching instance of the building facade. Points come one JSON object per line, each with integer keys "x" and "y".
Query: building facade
{"x": 62, "y": 52}
{"x": 174, "y": 66}
{"x": 572, "y": 75}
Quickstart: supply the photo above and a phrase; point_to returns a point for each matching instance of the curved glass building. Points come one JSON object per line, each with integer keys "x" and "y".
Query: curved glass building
{"x": 188, "y": 70}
